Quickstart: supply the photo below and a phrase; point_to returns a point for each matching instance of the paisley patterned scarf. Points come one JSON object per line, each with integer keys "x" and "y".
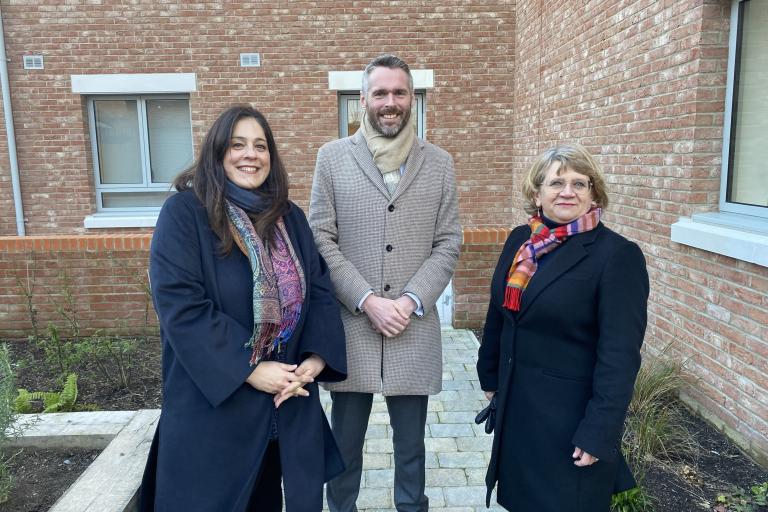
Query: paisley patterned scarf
{"x": 278, "y": 284}
{"x": 542, "y": 241}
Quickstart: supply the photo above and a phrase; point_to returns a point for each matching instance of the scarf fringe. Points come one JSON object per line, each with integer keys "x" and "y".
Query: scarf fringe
{"x": 512, "y": 298}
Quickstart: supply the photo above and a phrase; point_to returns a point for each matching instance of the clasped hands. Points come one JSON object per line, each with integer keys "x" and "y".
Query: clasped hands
{"x": 389, "y": 317}
{"x": 283, "y": 380}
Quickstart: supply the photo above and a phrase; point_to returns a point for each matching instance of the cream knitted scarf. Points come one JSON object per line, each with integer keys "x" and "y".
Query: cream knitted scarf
{"x": 389, "y": 153}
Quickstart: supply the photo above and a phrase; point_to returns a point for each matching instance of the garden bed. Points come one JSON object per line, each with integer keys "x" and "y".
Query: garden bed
{"x": 716, "y": 466}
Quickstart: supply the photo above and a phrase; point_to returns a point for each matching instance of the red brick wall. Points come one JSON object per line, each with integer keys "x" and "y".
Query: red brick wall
{"x": 643, "y": 87}
{"x": 640, "y": 83}
{"x": 299, "y": 41}
{"x": 105, "y": 276}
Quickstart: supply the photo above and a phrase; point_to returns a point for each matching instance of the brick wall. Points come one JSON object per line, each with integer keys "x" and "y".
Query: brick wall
{"x": 468, "y": 111}
{"x": 93, "y": 281}
{"x": 643, "y": 86}
{"x": 640, "y": 83}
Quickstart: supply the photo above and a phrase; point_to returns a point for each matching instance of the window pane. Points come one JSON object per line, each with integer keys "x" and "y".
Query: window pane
{"x": 353, "y": 115}
{"x": 749, "y": 181}
{"x": 170, "y": 138}
{"x": 117, "y": 136}
{"x": 133, "y": 199}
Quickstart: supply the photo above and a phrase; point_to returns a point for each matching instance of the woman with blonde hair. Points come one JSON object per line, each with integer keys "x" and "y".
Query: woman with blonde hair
{"x": 561, "y": 343}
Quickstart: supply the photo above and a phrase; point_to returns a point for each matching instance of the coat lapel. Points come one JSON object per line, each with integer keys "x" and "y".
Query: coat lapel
{"x": 412, "y": 166}
{"x": 560, "y": 260}
{"x": 365, "y": 161}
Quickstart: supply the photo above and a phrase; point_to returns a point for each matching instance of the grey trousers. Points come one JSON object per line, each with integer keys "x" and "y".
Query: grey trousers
{"x": 349, "y": 422}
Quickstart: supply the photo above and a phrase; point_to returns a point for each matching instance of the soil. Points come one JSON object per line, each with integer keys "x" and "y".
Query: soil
{"x": 40, "y": 477}
{"x": 685, "y": 486}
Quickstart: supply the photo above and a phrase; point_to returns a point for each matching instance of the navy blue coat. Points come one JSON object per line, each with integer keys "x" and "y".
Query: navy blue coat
{"x": 214, "y": 427}
{"x": 564, "y": 368}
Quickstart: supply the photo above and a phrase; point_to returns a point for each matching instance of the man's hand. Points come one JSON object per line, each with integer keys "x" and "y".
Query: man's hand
{"x": 387, "y": 317}
{"x": 406, "y": 304}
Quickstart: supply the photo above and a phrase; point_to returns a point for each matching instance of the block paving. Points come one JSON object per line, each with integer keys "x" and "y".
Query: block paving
{"x": 458, "y": 451}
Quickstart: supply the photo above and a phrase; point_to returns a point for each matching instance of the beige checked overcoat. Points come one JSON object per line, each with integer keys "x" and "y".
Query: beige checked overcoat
{"x": 407, "y": 243}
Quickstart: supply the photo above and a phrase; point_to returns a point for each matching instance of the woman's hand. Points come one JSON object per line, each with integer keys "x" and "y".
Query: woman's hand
{"x": 272, "y": 377}
{"x": 306, "y": 372}
{"x": 489, "y": 395}
{"x": 582, "y": 458}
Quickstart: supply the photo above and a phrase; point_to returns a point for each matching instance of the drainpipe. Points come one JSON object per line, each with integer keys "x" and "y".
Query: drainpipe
{"x": 10, "y": 134}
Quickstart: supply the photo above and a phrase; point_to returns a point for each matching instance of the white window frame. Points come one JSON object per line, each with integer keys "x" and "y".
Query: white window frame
{"x": 146, "y": 185}
{"x": 729, "y": 130}
{"x": 737, "y": 230}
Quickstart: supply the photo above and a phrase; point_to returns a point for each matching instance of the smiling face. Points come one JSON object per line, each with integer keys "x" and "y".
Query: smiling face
{"x": 389, "y": 100}
{"x": 246, "y": 161}
{"x": 564, "y": 197}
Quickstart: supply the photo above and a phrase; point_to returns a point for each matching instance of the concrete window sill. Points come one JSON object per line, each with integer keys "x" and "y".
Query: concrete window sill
{"x": 738, "y": 236}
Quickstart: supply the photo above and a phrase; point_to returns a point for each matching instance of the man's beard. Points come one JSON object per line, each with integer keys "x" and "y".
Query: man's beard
{"x": 388, "y": 131}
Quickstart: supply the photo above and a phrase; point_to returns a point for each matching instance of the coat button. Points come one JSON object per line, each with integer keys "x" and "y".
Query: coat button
{"x": 389, "y": 248}
{"x": 387, "y": 287}
{"x": 391, "y": 208}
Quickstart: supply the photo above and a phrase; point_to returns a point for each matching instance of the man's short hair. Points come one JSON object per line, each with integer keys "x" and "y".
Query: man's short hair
{"x": 386, "y": 61}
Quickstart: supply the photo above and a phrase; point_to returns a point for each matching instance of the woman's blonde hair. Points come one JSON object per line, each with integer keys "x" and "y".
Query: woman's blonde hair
{"x": 573, "y": 156}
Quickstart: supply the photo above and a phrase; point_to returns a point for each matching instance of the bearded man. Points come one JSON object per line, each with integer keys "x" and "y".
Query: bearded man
{"x": 384, "y": 214}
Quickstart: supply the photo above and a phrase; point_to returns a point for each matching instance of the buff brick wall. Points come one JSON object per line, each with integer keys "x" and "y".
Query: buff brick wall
{"x": 641, "y": 84}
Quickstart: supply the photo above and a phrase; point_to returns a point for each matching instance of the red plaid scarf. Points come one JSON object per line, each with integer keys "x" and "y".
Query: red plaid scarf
{"x": 542, "y": 241}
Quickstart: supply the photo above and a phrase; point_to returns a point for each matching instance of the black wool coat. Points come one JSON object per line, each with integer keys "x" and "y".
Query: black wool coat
{"x": 214, "y": 428}
{"x": 564, "y": 368}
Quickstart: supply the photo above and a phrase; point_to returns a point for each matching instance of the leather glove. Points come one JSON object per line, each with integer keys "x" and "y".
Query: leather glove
{"x": 488, "y": 415}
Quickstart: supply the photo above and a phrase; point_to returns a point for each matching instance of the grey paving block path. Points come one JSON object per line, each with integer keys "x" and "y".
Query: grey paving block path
{"x": 457, "y": 449}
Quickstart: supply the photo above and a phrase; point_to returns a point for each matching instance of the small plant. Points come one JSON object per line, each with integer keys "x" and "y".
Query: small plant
{"x": 52, "y": 401}
{"x": 655, "y": 428}
{"x": 741, "y": 500}
{"x": 7, "y": 419}
{"x": 112, "y": 355}
{"x": 632, "y": 500}
{"x": 60, "y": 353}
{"x": 67, "y": 309}
{"x": 27, "y": 288}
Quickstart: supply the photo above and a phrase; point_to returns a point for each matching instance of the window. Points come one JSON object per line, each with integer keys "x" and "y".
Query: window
{"x": 350, "y": 112}
{"x": 740, "y": 228}
{"x": 744, "y": 182}
{"x": 139, "y": 144}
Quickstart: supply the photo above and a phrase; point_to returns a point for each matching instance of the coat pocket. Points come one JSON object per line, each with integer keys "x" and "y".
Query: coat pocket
{"x": 559, "y": 374}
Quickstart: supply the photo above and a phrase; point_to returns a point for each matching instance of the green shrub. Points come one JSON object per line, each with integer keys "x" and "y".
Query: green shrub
{"x": 7, "y": 418}
{"x": 60, "y": 353}
{"x": 113, "y": 356}
{"x": 740, "y": 500}
{"x": 632, "y": 500}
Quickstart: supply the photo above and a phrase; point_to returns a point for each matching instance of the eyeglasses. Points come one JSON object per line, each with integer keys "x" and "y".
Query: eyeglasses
{"x": 578, "y": 186}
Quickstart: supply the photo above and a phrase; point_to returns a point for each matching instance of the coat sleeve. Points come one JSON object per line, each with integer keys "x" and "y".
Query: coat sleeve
{"x": 622, "y": 315}
{"x": 490, "y": 348}
{"x": 435, "y": 272}
{"x": 323, "y": 332}
{"x": 207, "y": 343}
{"x": 489, "y": 353}
{"x": 350, "y": 284}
